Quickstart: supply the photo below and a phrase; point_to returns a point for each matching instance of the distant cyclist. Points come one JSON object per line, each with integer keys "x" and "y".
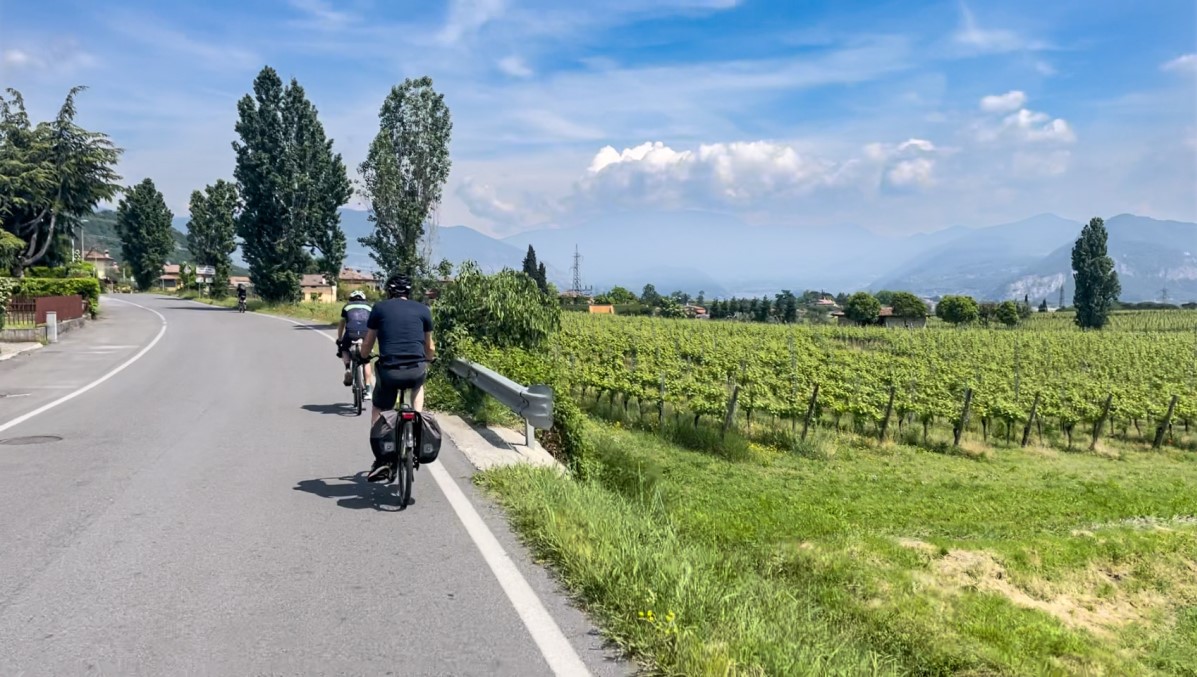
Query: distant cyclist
{"x": 241, "y": 292}
{"x": 403, "y": 330}
{"x": 353, "y": 328}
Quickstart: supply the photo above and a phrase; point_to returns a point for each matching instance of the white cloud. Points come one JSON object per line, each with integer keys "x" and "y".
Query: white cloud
{"x": 515, "y": 67}
{"x": 1022, "y": 125}
{"x": 483, "y": 201}
{"x": 322, "y": 13}
{"x": 1035, "y": 127}
{"x": 1003, "y": 103}
{"x": 912, "y": 172}
{"x": 1186, "y": 63}
{"x": 17, "y": 58}
{"x": 468, "y": 16}
{"x": 972, "y": 35}
{"x": 215, "y": 55}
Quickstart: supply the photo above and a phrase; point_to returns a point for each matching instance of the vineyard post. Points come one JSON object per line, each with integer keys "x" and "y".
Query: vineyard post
{"x": 1026, "y": 431}
{"x": 968, "y": 400}
{"x": 661, "y": 404}
{"x": 1105, "y": 413}
{"x": 810, "y": 410}
{"x": 889, "y": 408}
{"x": 731, "y": 410}
{"x": 1164, "y": 425}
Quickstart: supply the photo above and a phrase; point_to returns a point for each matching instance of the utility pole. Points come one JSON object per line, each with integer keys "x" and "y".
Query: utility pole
{"x": 1164, "y": 295}
{"x": 1061, "y": 305}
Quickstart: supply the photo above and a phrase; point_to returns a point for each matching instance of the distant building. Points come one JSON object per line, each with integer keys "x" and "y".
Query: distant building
{"x": 314, "y": 287}
{"x": 170, "y": 279}
{"x": 106, "y": 266}
{"x": 602, "y": 309}
{"x": 351, "y": 278}
{"x": 235, "y": 280}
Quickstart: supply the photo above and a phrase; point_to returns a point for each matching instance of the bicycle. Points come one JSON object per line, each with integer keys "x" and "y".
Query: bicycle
{"x": 406, "y": 459}
{"x": 241, "y": 305}
{"x": 359, "y": 377}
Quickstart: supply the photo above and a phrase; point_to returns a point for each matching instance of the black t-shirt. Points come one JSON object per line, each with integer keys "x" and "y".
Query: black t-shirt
{"x": 400, "y": 324}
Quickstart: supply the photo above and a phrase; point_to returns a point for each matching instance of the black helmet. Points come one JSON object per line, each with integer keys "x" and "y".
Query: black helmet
{"x": 398, "y": 285}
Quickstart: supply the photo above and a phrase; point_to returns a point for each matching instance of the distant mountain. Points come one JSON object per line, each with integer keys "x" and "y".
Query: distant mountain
{"x": 1149, "y": 256}
{"x": 100, "y": 233}
{"x": 719, "y": 254}
{"x": 975, "y": 262}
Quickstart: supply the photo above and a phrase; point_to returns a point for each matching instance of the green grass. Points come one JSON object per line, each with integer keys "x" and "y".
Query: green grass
{"x": 890, "y": 560}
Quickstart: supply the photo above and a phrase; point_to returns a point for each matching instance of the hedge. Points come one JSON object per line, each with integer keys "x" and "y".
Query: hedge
{"x": 74, "y": 269}
{"x": 87, "y": 287}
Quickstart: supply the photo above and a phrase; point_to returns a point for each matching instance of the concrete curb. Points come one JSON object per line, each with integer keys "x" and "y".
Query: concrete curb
{"x": 24, "y": 348}
{"x": 493, "y": 446}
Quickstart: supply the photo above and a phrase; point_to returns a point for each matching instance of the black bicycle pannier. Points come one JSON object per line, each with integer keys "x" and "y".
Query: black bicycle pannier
{"x": 382, "y": 436}
{"x": 428, "y": 439}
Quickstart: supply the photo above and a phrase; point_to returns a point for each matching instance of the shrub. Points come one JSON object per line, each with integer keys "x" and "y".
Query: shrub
{"x": 71, "y": 270}
{"x": 6, "y": 285}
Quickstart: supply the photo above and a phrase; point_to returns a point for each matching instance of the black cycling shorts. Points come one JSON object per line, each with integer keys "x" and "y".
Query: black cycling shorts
{"x": 349, "y": 337}
{"x": 388, "y": 381}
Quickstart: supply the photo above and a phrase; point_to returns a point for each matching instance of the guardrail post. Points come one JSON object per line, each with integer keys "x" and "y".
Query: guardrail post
{"x": 529, "y": 434}
{"x": 52, "y": 326}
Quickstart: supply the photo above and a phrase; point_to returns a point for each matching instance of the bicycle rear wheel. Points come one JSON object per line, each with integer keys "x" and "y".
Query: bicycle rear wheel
{"x": 404, "y": 475}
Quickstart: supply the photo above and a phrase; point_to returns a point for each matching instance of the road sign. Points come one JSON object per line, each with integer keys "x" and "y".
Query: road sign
{"x": 205, "y": 270}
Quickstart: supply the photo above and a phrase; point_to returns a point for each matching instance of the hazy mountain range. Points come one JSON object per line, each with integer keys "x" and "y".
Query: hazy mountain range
{"x": 696, "y": 251}
{"x": 716, "y": 253}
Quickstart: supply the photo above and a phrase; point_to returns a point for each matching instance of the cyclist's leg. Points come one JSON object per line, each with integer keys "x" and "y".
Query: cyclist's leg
{"x": 418, "y": 398}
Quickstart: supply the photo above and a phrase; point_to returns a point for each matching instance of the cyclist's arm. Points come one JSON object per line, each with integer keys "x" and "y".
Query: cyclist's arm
{"x": 340, "y": 330}
{"x": 429, "y": 346}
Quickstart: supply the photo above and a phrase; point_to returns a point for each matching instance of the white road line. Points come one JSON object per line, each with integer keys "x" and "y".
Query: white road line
{"x": 556, "y": 648}
{"x": 70, "y": 396}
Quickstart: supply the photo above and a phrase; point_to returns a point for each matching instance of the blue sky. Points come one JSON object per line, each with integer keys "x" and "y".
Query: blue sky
{"x": 897, "y": 116}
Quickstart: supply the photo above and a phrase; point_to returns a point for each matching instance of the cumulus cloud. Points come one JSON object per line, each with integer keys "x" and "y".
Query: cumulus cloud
{"x": 916, "y": 172}
{"x": 736, "y": 172}
{"x": 515, "y": 67}
{"x": 1022, "y": 125}
{"x": 1036, "y": 127}
{"x": 1186, "y": 63}
{"x": 483, "y": 201}
{"x": 1003, "y": 103}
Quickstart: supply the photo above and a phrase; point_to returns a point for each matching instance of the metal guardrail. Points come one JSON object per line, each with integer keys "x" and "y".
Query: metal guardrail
{"x": 532, "y": 403}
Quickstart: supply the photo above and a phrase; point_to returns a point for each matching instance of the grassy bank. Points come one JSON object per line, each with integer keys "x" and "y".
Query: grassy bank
{"x": 866, "y": 560}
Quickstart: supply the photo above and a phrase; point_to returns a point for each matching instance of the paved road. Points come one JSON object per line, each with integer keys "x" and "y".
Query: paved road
{"x": 204, "y": 512}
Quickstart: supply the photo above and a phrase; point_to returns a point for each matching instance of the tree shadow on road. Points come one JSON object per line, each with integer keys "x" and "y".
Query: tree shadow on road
{"x": 354, "y": 492}
{"x": 340, "y": 409}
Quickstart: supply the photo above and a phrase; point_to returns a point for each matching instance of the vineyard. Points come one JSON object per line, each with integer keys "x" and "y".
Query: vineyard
{"x": 1136, "y": 381}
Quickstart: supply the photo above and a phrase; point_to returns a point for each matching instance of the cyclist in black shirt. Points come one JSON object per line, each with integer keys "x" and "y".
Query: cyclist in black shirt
{"x": 353, "y": 328}
{"x": 402, "y": 328}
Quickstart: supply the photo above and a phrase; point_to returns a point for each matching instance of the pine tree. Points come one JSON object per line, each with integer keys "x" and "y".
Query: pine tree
{"x": 1097, "y": 285}
{"x": 542, "y": 277}
{"x": 143, "y": 223}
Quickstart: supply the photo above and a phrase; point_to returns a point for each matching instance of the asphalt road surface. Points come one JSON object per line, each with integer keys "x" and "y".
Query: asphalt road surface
{"x": 202, "y": 509}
